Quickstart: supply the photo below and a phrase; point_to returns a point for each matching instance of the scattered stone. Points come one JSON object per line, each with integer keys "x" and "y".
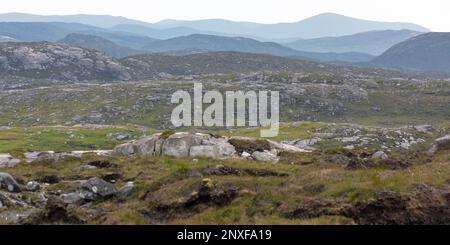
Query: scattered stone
{"x": 8, "y": 183}
{"x": 380, "y": 155}
{"x": 264, "y": 156}
{"x": 33, "y": 186}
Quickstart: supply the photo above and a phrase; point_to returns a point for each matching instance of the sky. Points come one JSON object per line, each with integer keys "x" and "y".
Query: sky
{"x": 433, "y": 14}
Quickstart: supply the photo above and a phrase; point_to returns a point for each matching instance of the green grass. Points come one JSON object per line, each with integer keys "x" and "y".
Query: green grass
{"x": 62, "y": 138}
{"x": 168, "y": 180}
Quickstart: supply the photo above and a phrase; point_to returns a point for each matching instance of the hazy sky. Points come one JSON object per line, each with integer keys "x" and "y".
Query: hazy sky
{"x": 434, "y": 14}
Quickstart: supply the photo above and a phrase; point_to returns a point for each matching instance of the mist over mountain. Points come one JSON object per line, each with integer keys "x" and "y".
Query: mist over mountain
{"x": 323, "y": 25}
{"x": 374, "y": 42}
{"x": 427, "y": 52}
{"x": 103, "y": 21}
{"x": 41, "y": 31}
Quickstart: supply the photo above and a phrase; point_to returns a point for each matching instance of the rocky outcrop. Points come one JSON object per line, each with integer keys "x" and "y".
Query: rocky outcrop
{"x": 204, "y": 145}
{"x": 60, "y": 62}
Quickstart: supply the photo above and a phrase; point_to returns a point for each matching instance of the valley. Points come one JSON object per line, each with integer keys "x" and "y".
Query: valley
{"x": 86, "y": 135}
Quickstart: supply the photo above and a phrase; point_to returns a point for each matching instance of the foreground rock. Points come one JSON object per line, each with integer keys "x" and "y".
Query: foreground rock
{"x": 205, "y": 145}
{"x": 96, "y": 188}
{"x": 440, "y": 144}
{"x": 7, "y": 182}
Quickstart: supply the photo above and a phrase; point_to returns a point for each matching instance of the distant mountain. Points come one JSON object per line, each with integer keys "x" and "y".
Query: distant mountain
{"x": 129, "y": 40}
{"x": 374, "y": 42}
{"x": 41, "y": 31}
{"x": 103, "y": 21}
{"x": 163, "y": 33}
{"x": 219, "y": 43}
{"x": 98, "y": 43}
{"x": 426, "y": 52}
{"x": 323, "y": 25}
{"x": 45, "y": 60}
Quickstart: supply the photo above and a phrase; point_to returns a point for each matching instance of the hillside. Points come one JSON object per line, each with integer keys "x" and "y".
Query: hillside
{"x": 374, "y": 42}
{"x": 219, "y": 43}
{"x": 98, "y": 43}
{"x": 57, "y": 61}
{"x": 148, "y": 65}
{"x": 427, "y": 52}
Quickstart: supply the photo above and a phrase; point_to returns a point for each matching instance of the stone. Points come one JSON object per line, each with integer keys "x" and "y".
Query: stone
{"x": 246, "y": 155}
{"x": 423, "y": 128}
{"x": 8, "y": 183}
{"x": 179, "y": 144}
{"x": 212, "y": 151}
{"x": 7, "y": 161}
{"x": 98, "y": 187}
{"x": 72, "y": 198}
{"x": 380, "y": 155}
{"x": 126, "y": 149}
{"x": 146, "y": 146}
{"x": 443, "y": 143}
{"x": 33, "y": 186}
{"x": 126, "y": 191}
{"x": 264, "y": 156}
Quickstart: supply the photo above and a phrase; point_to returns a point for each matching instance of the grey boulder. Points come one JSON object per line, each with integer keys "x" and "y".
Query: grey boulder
{"x": 7, "y": 182}
{"x": 98, "y": 189}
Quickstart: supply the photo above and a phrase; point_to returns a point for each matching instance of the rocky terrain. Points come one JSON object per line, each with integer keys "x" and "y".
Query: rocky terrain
{"x": 57, "y": 62}
{"x": 375, "y": 176}
{"x": 86, "y": 139}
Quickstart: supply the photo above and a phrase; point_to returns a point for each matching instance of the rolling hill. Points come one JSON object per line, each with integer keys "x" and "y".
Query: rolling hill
{"x": 374, "y": 42}
{"x": 427, "y": 52}
{"x": 219, "y": 43}
{"x": 98, "y": 43}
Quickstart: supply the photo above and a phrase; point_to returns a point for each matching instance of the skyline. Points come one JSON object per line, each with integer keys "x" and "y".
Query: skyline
{"x": 431, "y": 14}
